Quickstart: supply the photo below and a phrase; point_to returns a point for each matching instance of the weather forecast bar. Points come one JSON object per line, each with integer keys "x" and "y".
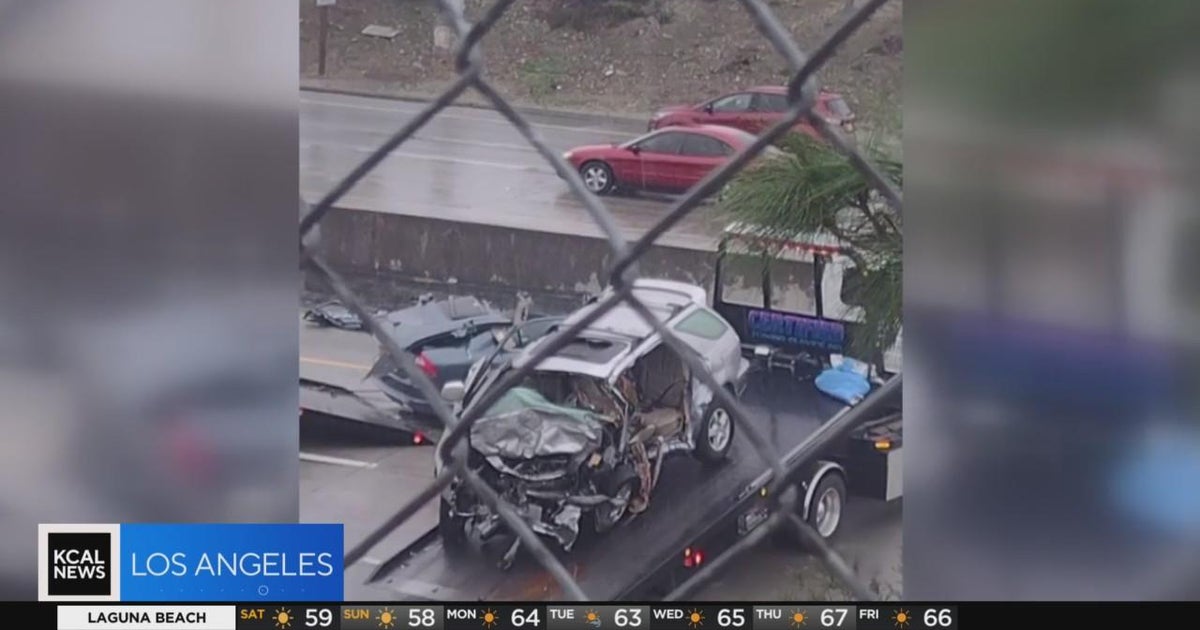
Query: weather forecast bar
{"x": 509, "y": 616}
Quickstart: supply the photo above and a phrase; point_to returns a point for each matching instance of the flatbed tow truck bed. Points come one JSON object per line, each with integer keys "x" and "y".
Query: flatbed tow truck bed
{"x": 333, "y": 367}
{"x": 642, "y": 555}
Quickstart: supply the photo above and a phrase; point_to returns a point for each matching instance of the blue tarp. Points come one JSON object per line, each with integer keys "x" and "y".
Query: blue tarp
{"x": 1158, "y": 484}
{"x": 843, "y": 382}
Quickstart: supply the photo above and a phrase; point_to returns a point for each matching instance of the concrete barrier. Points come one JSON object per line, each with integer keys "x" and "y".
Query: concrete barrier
{"x": 378, "y": 249}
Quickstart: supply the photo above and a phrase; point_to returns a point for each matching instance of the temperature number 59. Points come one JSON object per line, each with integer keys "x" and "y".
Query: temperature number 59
{"x": 319, "y": 618}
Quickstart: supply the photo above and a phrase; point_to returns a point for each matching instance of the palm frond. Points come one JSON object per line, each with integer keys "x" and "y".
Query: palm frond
{"x": 813, "y": 190}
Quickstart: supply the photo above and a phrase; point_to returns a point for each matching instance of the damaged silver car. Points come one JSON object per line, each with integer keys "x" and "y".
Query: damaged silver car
{"x": 579, "y": 444}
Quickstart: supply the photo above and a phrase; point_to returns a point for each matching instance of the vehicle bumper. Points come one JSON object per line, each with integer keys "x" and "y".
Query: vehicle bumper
{"x": 743, "y": 376}
{"x": 405, "y": 395}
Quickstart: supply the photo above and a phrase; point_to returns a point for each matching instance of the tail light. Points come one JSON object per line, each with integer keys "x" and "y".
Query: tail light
{"x": 692, "y": 557}
{"x": 418, "y": 439}
{"x": 426, "y": 366}
{"x": 189, "y": 452}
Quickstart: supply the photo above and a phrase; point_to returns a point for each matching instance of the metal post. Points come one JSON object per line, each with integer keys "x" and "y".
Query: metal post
{"x": 324, "y": 11}
{"x": 818, "y": 284}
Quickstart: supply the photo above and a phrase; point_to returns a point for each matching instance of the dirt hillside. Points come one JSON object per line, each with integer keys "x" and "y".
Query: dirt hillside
{"x": 614, "y": 56}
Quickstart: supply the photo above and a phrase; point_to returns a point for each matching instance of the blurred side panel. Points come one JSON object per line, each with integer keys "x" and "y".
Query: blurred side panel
{"x": 1051, "y": 300}
{"x": 148, "y": 182}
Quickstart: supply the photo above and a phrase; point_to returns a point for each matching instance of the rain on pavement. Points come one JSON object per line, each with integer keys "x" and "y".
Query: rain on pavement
{"x": 470, "y": 165}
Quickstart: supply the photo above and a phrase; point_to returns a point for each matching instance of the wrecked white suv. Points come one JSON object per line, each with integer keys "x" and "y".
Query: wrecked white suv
{"x": 581, "y": 441}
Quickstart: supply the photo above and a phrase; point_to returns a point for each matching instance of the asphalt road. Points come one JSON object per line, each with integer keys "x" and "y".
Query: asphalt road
{"x": 362, "y": 484}
{"x": 471, "y": 165}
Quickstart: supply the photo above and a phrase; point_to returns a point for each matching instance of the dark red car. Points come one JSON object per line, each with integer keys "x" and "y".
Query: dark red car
{"x": 753, "y": 110}
{"x": 667, "y": 160}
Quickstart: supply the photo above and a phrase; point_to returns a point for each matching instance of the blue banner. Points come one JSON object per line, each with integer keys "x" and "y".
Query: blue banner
{"x": 231, "y": 562}
{"x": 796, "y": 331}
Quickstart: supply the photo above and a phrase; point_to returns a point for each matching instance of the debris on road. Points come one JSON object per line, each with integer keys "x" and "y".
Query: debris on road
{"x": 386, "y": 32}
{"x": 334, "y": 313}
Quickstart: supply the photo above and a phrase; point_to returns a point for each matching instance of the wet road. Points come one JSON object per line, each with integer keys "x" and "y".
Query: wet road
{"x": 363, "y": 484}
{"x": 470, "y": 165}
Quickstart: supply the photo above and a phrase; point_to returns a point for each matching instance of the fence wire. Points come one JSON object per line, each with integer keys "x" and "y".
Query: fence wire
{"x": 782, "y": 487}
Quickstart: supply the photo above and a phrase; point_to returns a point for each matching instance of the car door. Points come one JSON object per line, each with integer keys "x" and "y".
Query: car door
{"x": 659, "y": 154}
{"x": 731, "y": 111}
{"x": 765, "y": 111}
{"x": 627, "y": 166}
{"x": 699, "y": 155}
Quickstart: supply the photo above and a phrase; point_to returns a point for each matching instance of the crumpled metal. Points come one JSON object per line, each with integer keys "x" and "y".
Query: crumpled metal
{"x": 523, "y": 424}
{"x": 335, "y": 314}
{"x": 564, "y": 526}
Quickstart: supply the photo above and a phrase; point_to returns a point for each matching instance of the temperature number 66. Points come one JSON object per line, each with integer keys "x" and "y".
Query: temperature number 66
{"x": 935, "y": 618}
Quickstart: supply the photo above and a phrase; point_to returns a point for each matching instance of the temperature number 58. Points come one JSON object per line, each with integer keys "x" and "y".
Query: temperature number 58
{"x": 420, "y": 617}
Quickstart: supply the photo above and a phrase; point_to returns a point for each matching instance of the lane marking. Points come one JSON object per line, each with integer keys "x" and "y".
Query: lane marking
{"x": 494, "y": 121}
{"x": 335, "y": 461}
{"x": 337, "y": 364}
{"x": 525, "y": 148}
{"x": 436, "y": 158}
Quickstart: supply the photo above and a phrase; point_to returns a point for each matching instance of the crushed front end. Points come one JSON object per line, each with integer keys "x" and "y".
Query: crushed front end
{"x": 552, "y": 463}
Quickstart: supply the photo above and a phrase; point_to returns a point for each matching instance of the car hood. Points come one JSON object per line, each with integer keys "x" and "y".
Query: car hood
{"x": 524, "y": 425}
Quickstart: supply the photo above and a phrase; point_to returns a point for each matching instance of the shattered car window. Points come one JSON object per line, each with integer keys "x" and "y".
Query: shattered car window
{"x": 592, "y": 350}
{"x": 702, "y": 324}
{"x": 463, "y": 307}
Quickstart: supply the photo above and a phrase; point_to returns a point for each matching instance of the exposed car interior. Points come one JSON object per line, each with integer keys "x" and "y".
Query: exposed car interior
{"x": 661, "y": 384}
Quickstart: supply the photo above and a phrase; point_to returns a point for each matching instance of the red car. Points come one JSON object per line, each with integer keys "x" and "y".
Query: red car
{"x": 753, "y": 110}
{"x": 667, "y": 160}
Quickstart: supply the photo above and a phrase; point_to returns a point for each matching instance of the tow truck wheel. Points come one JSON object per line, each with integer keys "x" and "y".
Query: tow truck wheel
{"x": 828, "y": 504}
{"x": 452, "y": 528}
{"x": 716, "y": 435}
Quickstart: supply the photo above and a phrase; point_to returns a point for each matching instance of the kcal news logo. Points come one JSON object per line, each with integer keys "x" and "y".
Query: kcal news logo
{"x": 79, "y": 562}
{"x": 190, "y": 562}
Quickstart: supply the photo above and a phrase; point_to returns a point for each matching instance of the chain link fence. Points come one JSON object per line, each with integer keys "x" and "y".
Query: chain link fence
{"x": 801, "y": 97}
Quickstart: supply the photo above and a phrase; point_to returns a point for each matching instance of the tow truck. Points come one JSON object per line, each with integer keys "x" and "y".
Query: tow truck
{"x": 700, "y": 511}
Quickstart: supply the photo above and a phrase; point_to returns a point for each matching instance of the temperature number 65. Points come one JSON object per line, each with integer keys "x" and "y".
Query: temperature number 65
{"x": 731, "y": 618}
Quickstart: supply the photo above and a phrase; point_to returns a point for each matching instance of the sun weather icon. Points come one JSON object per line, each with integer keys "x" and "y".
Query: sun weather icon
{"x": 593, "y": 618}
{"x": 283, "y": 618}
{"x": 799, "y": 618}
{"x": 695, "y": 618}
{"x": 489, "y": 618}
{"x": 901, "y": 618}
{"x": 387, "y": 618}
